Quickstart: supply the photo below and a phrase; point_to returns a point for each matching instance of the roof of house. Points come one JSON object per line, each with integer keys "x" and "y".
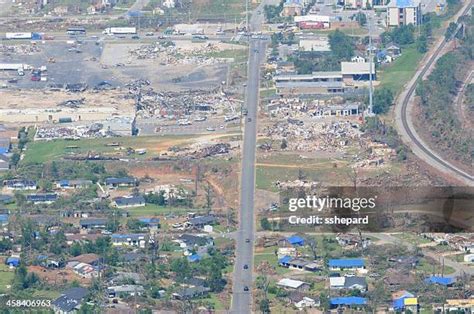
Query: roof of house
{"x": 70, "y": 299}
{"x": 191, "y": 292}
{"x": 131, "y": 236}
{"x": 4, "y": 217}
{"x": 352, "y": 281}
{"x": 444, "y": 281}
{"x": 348, "y": 301}
{"x": 125, "y": 180}
{"x": 88, "y": 258}
{"x": 126, "y": 288}
{"x": 192, "y": 240}
{"x": 202, "y": 220}
{"x": 351, "y": 262}
{"x": 149, "y": 221}
{"x": 5, "y": 198}
{"x": 129, "y": 200}
{"x": 93, "y": 221}
{"x": 295, "y": 240}
{"x": 46, "y": 197}
{"x": 285, "y": 259}
{"x": 337, "y": 281}
{"x": 290, "y": 283}
{"x": 20, "y": 182}
{"x": 13, "y": 260}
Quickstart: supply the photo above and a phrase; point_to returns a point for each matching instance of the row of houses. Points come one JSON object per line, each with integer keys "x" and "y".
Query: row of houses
{"x": 112, "y": 183}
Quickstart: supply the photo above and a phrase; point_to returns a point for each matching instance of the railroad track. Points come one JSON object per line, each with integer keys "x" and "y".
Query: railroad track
{"x": 409, "y": 129}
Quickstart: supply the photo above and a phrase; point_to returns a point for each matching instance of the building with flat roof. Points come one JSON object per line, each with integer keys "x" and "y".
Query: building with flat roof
{"x": 357, "y": 71}
{"x": 404, "y": 12}
{"x": 317, "y": 83}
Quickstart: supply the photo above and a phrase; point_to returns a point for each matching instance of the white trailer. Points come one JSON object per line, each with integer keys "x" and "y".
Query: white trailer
{"x": 12, "y": 67}
{"x": 18, "y": 35}
{"x": 120, "y": 31}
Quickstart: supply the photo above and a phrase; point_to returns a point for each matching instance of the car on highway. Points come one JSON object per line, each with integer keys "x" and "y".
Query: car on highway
{"x": 246, "y": 266}
{"x": 150, "y": 34}
{"x": 247, "y": 240}
{"x": 246, "y": 288}
{"x": 249, "y": 120}
{"x": 210, "y": 129}
{"x": 135, "y": 37}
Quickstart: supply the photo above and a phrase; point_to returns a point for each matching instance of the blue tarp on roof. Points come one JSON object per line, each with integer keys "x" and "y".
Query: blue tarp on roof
{"x": 348, "y": 301}
{"x": 13, "y": 261}
{"x": 3, "y": 218}
{"x": 149, "y": 221}
{"x": 285, "y": 259}
{"x": 444, "y": 281}
{"x": 295, "y": 240}
{"x": 346, "y": 263}
{"x": 194, "y": 258}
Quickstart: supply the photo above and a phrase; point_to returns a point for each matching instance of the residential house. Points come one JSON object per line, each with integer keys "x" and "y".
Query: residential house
{"x": 42, "y": 198}
{"x": 85, "y": 270}
{"x": 458, "y": 306}
{"x": 150, "y": 223}
{"x": 394, "y": 50}
{"x": 4, "y": 219}
{"x": 5, "y": 145}
{"x": 120, "y": 277}
{"x": 291, "y": 284}
{"x": 129, "y": 201}
{"x": 20, "y": 184}
{"x": 349, "y": 239}
{"x": 4, "y": 163}
{"x": 6, "y": 199}
{"x": 88, "y": 258}
{"x": 125, "y": 291}
{"x": 358, "y": 58}
{"x": 93, "y": 223}
{"x": 190, "y": 293}
{"x": 121, "y": 182}
{"x": 403, "y": 301}
{"x": 194, "y": 258}
{"x": 469, "y": 258}
{"x": 301, "y": 300}
{"x": 13, "y": 261}
{"x": 133, "y": 239}
{"x": 201, "y": 221}
{"x": 348, "y": 302}
{"x": 70, "y": 301}
{"x": 73, "y": 184}
{"x": 395, "y": 279}
{"x": 350, "y": 263}
{"x": 293, "y": 240}
{"x": 292, "y": 8}
{"x": 191, "y": 241}
{"x": 443, "y": 281}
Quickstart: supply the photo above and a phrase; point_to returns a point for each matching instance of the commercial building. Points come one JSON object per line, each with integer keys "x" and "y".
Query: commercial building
{"x": 317, "y": 83}
{"x": 352, "y": 72}
{"x": 404, "y": 12}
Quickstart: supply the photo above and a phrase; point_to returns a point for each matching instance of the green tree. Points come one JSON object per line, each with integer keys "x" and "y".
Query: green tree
{"x": 342, "y": 46}
{"x": 265, "y": 224}
{"x": 383, "y": 99}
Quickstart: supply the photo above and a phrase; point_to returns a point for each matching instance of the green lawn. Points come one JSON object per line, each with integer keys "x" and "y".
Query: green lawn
{"x": 272, "y": 259}
{"x": 229, "y": 10}
{"x": 6, "y": 277}
{"x": 42, "y": 151}
{"x": 399, "y": 72}
{"x": 239, "y": 54}
{"x": 427, "y": 267}
{"x": 214, "y": 300}
{"x": 152, "y": 210}
{"x": 412, "y": 238}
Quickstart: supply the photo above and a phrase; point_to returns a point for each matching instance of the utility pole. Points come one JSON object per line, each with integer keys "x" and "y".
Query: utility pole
{"x": 370, "y": 110}
{"x": 246, "y": 16}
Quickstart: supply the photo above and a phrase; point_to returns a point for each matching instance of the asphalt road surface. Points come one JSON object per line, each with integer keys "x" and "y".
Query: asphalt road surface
{"x": 242, "y": 300}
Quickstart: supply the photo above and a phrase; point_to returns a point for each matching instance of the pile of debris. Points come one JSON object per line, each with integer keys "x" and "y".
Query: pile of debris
{"x": 72, "y": 103}
{"x": 170, "y": 54}
{"x": 26, "y": 50}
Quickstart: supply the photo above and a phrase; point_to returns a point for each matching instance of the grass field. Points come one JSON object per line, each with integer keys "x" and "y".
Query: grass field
{"x": 427, "y": 267}
{"x": 239, "y": 55}
{"x": 398, "y": 73}
{"x": 151, "y": 210}
{"x": 230, "y": 10}
{"x": 6, "y": 277}
{"x": 42, "y": 151}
